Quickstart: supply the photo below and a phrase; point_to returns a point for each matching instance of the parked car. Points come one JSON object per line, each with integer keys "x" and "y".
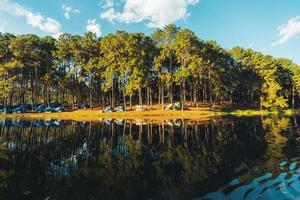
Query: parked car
{"x": 50, "y": 109}
{"x": 81, "y": 106}
{"x": 27, "y": 107}
{"x": 168, "y": 107}
{"x": 19, "y": 110}
{"x": 40, "y": 108}
{"x": 55, "y": 104}
{"x": 59, "y": 109}
{"x": 6, "y": 111}
{"x": 120, "y": 109}
{"x": 53, "y": 107}
{"x": 22, "y": 108}
{"x": 109, "y": 109}
{"x": 140, "y": 108}
{"x": 1, "y": 109}
{"x": 14, "y": 106}
{"x": 77, "y": 106}
{"x": 85, "y": 106}
{"x": 177, "y": 106}
{"x": 173, "y": 106}
{"x": 35, "y": 106}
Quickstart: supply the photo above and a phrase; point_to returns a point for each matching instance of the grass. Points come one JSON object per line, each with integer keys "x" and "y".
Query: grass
{"x": 155, "y": 114}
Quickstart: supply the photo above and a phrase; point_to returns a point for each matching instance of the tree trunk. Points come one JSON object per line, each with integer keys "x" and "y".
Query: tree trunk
{"x": 195, "y": 93}
{"x": 171, "y": 71}
{"x": 293, "y": 97}
{"x": 140, "y": 96}
{"x": 103, "y": 99}
{"x": 171, "y": 93}
{"x": 124, "y": 99}
{"x": 159, "y": 94}
{"x": 181, "y": 96}
{"x": 296, "y": 124}
{"x": 12, "y": 95}
{"x": 251, "y": 89}
{"x": 150, "y": 97}
{"x": 45, "y": 93}
{"x": 91, "y": 92}
{"x": 49, "y": 96}
{"x": 162, "y": 96}
{"x": 112, "y": 94}
{"x": 73, "y": 94}
{"x": 5, "y": 102}
{"x": 184, "y": 95}
{"x": 73, "y": 99}
{"x": 99, "y": 92}
{"x": 203, "y": 91}
{"x": 36, "y": 85}
{"x": 32, "y": 92}
{"x": 210, "y": 87}
{"x": 130, "y": 101}
{"x": 74, "y": 88}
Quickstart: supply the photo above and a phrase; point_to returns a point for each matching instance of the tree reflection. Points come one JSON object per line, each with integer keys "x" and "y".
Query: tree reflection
{"x": 123, "y": 159}
{"x": 276, "y": 168}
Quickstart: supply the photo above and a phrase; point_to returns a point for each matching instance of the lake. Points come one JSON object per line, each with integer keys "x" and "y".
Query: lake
{"x": 226, "y": 158}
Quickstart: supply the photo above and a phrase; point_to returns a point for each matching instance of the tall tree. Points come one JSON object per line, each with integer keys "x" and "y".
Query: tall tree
{"x": 186, "y": 47}
{"x": 166, "y": 60}
{"x": 26, "y": 50}
{"x": 65, "y": 64}
{"x": 47, "y": 47}
{"x": 86, "y": 54}
{"x": 111, "y": 61}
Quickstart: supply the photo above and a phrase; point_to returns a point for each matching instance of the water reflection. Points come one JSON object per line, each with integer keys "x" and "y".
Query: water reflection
{"x": 125, "y": 159}
{"x": 276, "y": 175}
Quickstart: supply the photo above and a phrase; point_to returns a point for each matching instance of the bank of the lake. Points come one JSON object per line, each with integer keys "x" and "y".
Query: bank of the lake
{"x": 192, "y": 114}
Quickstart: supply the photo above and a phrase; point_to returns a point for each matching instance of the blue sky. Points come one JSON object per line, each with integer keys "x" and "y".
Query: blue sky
{"x": 269, "y": 26}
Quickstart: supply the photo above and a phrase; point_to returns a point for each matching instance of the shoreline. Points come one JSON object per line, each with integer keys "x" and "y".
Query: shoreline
{"x": 193, "y": 114}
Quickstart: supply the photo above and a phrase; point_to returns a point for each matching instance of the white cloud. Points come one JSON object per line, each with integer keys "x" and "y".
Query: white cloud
{"x": 157, "y": 13}
{"x": 108, "y": 4}
{"x": 93, "y": 27}
{"x": 69, "y": 10}
{"x": 36, "y": 20}
{"x": 288, "y": 31}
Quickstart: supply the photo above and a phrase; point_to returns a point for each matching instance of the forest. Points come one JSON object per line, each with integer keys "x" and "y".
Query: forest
{"x": 171, "y": 65}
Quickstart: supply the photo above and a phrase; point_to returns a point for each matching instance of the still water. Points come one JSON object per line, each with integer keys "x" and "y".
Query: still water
{"x": 230, "y": 158}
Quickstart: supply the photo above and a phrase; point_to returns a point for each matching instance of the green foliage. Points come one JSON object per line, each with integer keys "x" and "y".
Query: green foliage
{"x": 112, "y": 58}
{"x": 186, "y": 47}
{"x": 6, "y": 86}
{"x": 165, "y": 61}
{"x": 266, "y": 72}
{"x": 172, "y": 62}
